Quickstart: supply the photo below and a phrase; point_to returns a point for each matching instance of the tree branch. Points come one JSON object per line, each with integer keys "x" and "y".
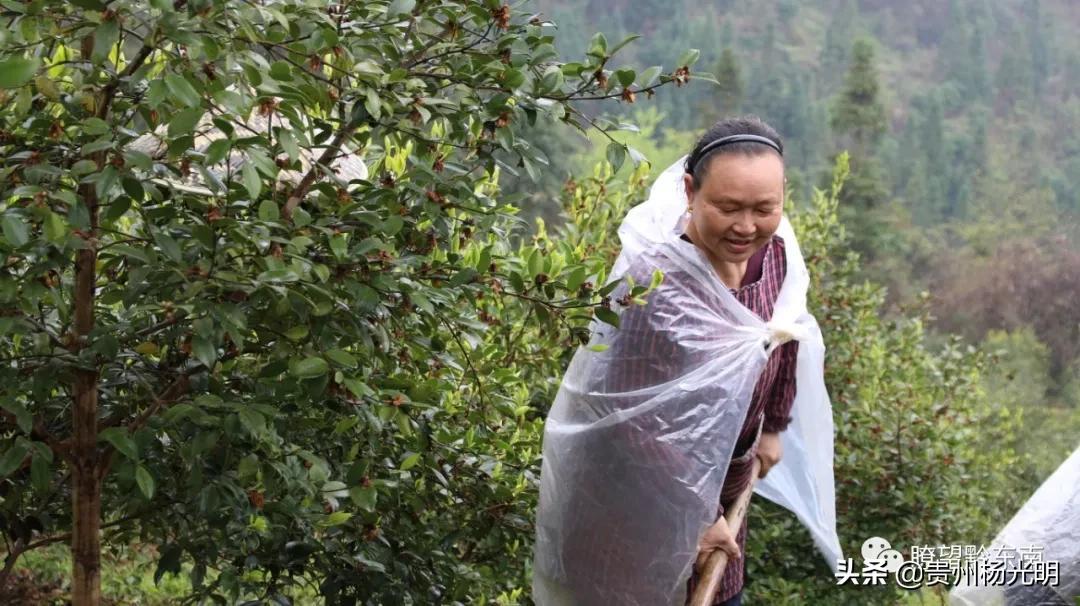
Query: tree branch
{"x": 302, "y": 188}
{"x": 41, "y": 434}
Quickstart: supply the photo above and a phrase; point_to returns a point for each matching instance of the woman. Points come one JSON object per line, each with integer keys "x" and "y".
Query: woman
{"x": 657, "y": 422}
{"x": 735, "y": 189}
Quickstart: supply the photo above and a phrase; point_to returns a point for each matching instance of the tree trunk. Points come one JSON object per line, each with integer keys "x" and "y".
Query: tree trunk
{"x": 86, "y": 467}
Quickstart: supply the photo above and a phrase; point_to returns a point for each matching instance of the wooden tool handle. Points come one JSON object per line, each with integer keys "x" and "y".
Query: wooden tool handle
{"x": 705, "y": 591}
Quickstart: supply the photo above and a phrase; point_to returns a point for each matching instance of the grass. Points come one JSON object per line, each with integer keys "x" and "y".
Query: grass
{"x": 127, "y": 576}
{"x": 127, "y": 579}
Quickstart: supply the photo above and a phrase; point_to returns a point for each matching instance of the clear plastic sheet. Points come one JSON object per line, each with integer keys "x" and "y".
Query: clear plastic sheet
{"x": 1050, "y": 520}
{"x": 640, "y": 435}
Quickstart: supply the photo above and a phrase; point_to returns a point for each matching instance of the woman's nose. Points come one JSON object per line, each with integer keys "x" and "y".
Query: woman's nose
{"x": 744, "y": 225}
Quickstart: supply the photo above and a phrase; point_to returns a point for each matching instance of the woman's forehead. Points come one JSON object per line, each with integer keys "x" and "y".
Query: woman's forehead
{"x": 746, "y": 178}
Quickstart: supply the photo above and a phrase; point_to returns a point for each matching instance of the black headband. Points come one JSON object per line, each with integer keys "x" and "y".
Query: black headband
{"x": 729, "y": 140}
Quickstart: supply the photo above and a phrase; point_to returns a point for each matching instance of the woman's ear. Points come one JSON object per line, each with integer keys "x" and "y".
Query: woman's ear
{"x": 688, "y": 185}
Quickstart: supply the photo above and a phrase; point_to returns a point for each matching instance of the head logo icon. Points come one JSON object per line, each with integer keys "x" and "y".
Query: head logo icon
{"x": 873, "y": 547}
{"x": 893, "y": 559}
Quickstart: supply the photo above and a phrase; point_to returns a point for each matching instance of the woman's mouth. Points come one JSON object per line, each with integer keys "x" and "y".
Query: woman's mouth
{"x": 738, "y": 246}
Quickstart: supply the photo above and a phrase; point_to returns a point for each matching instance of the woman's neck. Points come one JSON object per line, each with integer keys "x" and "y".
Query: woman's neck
{"x": 730, "y": 273}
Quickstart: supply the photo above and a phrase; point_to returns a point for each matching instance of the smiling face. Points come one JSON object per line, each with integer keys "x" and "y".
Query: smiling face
{"x": 738, "y": 207}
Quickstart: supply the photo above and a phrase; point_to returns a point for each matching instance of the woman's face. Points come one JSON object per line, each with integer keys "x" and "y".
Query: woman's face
{"x": 738, "y": 207}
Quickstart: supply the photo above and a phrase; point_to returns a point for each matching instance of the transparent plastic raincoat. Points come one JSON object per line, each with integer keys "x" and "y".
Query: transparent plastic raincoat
{"x": 1049, "y": 522}
{"x": 636, "y": 444}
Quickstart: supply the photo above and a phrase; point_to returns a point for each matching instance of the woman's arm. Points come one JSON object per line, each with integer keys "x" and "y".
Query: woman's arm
{"x": 782, "y": 395}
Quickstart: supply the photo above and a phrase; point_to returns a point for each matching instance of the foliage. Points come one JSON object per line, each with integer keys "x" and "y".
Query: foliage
{"x": 649, "y": 140}
{"x": 275, "y": 374}
{"x": 1022, "y": 370}
{"x": 1032, "y": 281}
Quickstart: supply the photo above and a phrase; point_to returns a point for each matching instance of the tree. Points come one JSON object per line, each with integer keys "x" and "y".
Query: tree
{"x": 729, "y": 92}
{"x": 858, "y": 124}
{"x": 858, "y": 116}
{"x": 281, "y": 375}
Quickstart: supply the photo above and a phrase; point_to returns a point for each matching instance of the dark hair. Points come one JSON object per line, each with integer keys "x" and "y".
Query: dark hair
{"x": 697, "y": 165}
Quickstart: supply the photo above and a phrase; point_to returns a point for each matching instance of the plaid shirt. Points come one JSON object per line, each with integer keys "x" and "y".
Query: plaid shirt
{"x": 770, "y": 407}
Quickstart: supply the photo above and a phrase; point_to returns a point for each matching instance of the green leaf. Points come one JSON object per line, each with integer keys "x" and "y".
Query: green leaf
{"x": 410, "y": 461}
{"x": 185, "y": 121}
{"x": 252, "y": 180}
{"x": 513, "y": 78}
{"x": 535, "y": 262}
{"x": 15, "y": 229}
{"x": 168, "y": 246}
{"x": 104, "y": 183}
{"x": 121, "y": 441}
{"x": 336, "y": 519}
{"x": 95, "y": 126}
{"x": 105, "y": 37}
{"x": 373, "y": 103}
{"x": 576, "y": 278}
{"x": 23, "y": 418}
{"x": 422, "y": 302}
{"x": 649, "y": 76}
{"x": 399, "y": 7}
{"x": 281, "y": 71}
{"x": 138, "y": 159}
{"x": 183, "y": 90}
{"x": 462, "y": 277}
{"x": 94, "y": 5}
{"x": 342, "y": 358}
{"x": 169, "y": 562}
{"x": 625, "y": 76}
{"x": 657, "y": 278}
{"x": 55, "y": 228}
{"x": 204, "y": 349}
{"x": 249, "y": 467}
{"x": 364, "y": 497}
{"x": 145, "y": 481}
{"x": 297, "y": 332}
{"x": 39, "y": 472}
{"x": 16, "y": 71}
{"x": 598, "y": 46}
{"x": 79, "y": 216}
{"x": 607, "y": 316}
{"x": 252, "y": 420}
{"x": 619, "y": 46}
{"x": 133, "y": 188}
{"x": 339, "y": 245}
{"x": 301, "y": 217}
{"x": 689, "y": 57}
{"x": 217, "y": 150}
{"x": 268, "y": 211}
{"x": 13, "y": 457}
{"x": 308, "y": 368}
{"x": 616, "y": 155}
{"x": 288, "y": 143}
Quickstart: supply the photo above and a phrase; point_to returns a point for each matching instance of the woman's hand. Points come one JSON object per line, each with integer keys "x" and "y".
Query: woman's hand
{"x": 718, "y": 536}
{"x": 769, "y": 451}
